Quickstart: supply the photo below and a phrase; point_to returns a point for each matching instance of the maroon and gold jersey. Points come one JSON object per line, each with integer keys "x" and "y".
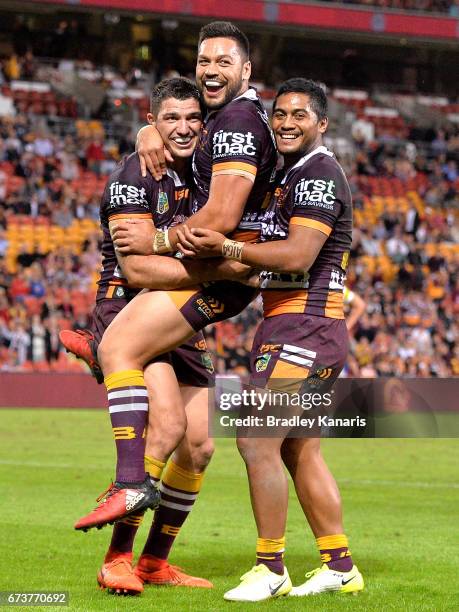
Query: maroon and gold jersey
{"x": 237, "y": 139}
{"x": 313, "y": 193}
{"x": 128, "y": 194}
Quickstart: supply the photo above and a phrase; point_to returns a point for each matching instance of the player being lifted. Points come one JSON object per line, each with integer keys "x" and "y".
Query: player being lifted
{"x": 232, "y": 167}
{"x": 302, "y": 342}
{"x": 175, "y": 411}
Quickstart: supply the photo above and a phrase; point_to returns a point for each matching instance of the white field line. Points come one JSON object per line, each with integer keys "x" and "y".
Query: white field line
{"x": 388, "y": 483}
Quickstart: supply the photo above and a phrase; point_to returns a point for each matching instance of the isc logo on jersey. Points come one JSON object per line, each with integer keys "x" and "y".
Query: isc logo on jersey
{"x": 121, "y": 195}
{"x": 315, "y": 192}
{"x": 233, "y": 143}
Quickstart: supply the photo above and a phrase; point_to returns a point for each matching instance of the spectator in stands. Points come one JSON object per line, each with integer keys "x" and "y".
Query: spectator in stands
{"x": 37, "y": 333}
{"x": 396, "y": 246}
{"x": 95, "y": 154}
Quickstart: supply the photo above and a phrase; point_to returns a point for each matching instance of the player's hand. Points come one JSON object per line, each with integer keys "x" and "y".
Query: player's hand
{"x": 133, "y": 237}
{"x": 152, "y": 153}
{"x": 199, "y": 242}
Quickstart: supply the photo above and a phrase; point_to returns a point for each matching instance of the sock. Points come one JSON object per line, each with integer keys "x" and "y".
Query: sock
{"x": 179, "y": 490}
{"x": 334, "y": 551}
{"x": 124, "y": 531}
{"x": 154, "y": 467}
{"x": 123, "y": 536}
{"x": 128, "y": 407}
{"x": 271, "y": 554}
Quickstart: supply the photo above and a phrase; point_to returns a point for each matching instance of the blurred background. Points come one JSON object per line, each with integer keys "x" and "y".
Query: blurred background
{"x": 74, "y": 87}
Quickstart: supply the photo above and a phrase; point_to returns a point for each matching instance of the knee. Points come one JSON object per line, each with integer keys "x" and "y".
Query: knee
{"x": 201, "y": 454}
{"x": 253, "y": 453}
{"x": 162, "y": 441}
{"x": 194, "y": 456}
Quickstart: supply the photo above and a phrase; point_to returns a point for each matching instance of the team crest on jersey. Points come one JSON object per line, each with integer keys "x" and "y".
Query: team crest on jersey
{"x": 163, "y": 203}
{"x": 262, "y": 363}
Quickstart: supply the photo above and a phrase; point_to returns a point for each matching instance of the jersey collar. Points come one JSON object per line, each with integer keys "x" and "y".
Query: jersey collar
{"x": 322, "y": 149}
{"x": 174, "y": 176}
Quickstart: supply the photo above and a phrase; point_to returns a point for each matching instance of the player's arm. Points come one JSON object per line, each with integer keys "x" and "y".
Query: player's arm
{"x": 358, "y": 307}
{"x": 296, "y": 253}
{"x": 223, "y": 210}
{"x": 167, "y": 273}
{"x": 222, "y": 213}
{"x": 230, "y": 187}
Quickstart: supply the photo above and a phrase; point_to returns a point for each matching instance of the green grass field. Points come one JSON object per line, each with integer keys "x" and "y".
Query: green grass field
{"x": 401, "y": 513}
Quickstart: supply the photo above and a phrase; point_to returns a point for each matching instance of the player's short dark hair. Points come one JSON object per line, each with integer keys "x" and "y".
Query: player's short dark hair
{"x": 225, "y": 29}
{"x": 178, "y": 87}
{"x": 316, "y": 93}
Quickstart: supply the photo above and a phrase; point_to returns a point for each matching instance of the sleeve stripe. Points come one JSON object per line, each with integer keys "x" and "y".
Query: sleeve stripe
{"x": 243, "y": 173}
{"x": 130, "y": 216}
{"x": 312, "y": 223}
{"x": 234, "y": 166}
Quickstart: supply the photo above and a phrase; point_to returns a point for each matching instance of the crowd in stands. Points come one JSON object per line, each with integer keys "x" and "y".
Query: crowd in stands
{"x": 405, "y": 254}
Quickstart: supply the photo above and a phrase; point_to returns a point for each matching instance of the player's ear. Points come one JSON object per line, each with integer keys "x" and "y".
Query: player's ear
{"x": 150, "y": 118}
{"x": 246, "y": 70}
{"x": 323, "y": 125}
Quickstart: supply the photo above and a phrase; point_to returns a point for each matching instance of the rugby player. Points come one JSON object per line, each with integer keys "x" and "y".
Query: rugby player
{"x": 302, "y": 342}
{"x": 175, "y": 107}
{"x": 232, "y": 166}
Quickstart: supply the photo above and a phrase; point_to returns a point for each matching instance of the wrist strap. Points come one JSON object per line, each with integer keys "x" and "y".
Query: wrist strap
{"x": 231, "y": 249}
{"x": 161, "y": 242}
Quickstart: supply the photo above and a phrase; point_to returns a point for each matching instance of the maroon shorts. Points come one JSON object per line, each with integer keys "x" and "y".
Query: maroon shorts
{"x": 212, "y": 302}
{"x": 297, "y": 352}
{"x": 191, "y": 361}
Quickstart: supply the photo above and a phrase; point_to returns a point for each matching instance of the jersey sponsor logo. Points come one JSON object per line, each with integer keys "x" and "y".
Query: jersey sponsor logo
{"x": 180, "y": 194}
{"x": 315, "y": 192}
{"x": 324, "y": 373}
{"x": 283, "y": 280}
{"x": 209, "y": 307}
{"x": 233, "y": 143}
{"x": 262, "y": 363}
{"x": 337, "y": 279}
{"x": 270, "y": 348}
{"x": 317, "y": 380}
{"x": 270, "y": 225}
{"x": 163, "y": 203}
{"x": 201, "y": 345}
{"x": 122, "y": 194}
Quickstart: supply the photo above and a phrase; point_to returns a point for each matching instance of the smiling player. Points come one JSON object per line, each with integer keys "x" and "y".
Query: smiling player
{"x": 232, "y": 167}
{"x": 302, "y": 342}
{"x": 178, "y": 415}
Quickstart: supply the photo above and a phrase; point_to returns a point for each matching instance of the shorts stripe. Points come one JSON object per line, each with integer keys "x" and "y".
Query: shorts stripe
{"x": 291, "y": 348}
{"x": 295, "y": 359}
